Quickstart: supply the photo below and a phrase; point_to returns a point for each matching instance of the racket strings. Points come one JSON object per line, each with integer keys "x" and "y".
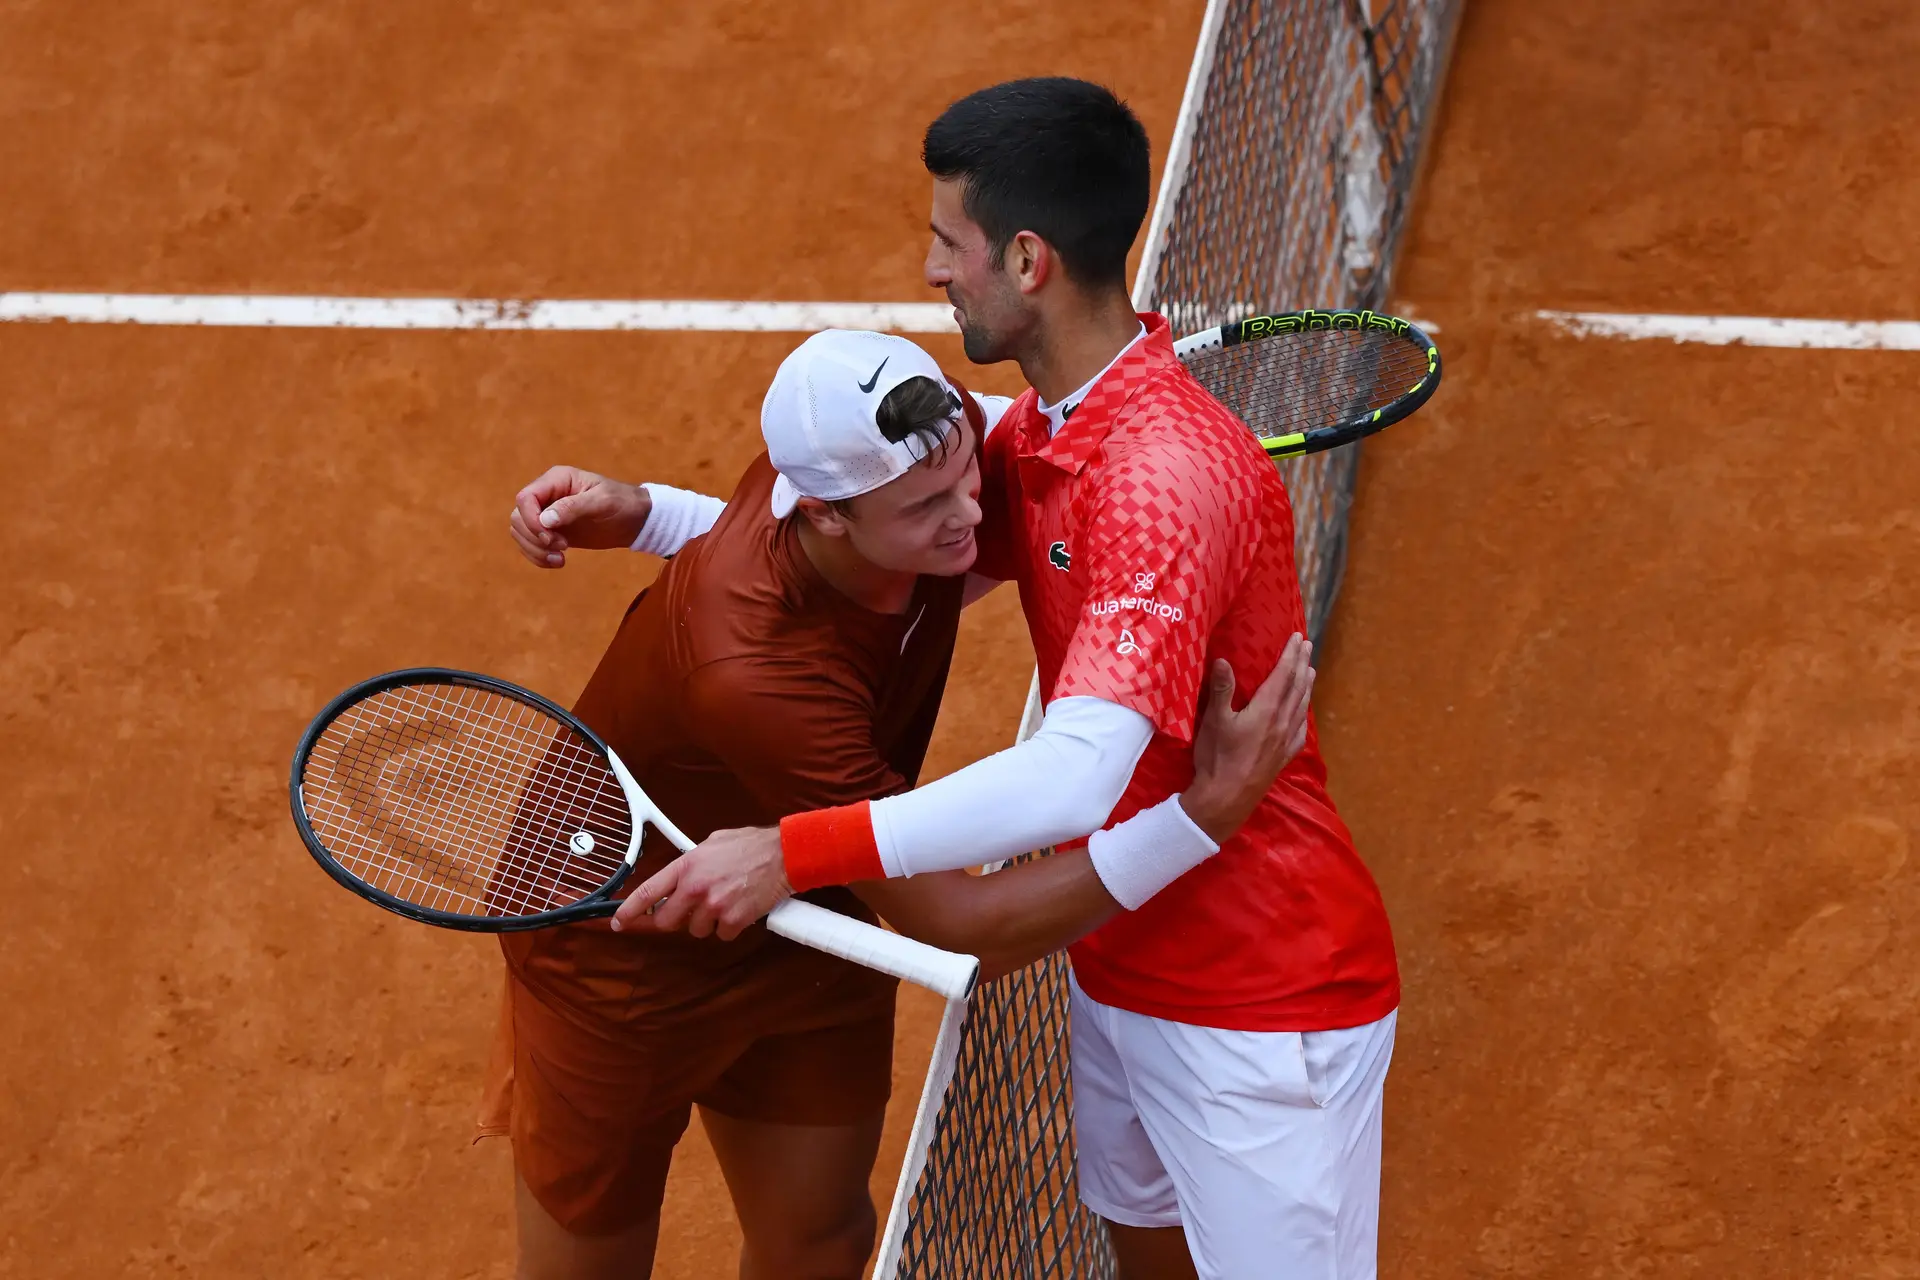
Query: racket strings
{"x": 1309, "y": 381}
{"x": 502, "y": 868}
{"x": 500, "y": 770}
{"x": 535, "y": 875}
{"x": 365, "y": 769}
{"x": 465, "y": 800}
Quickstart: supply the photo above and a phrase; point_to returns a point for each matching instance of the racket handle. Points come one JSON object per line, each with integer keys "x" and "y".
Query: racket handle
{"x": 950, "y": 974}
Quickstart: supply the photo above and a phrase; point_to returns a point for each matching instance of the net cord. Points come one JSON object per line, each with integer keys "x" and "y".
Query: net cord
{"x": 946, "y": 1053}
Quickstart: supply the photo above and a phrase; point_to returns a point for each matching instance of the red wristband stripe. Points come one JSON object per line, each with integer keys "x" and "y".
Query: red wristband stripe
{"x": 830, "y": 846}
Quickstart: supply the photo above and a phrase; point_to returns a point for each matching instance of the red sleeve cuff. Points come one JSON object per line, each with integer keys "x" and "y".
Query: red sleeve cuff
{"x": 830, "y": 846}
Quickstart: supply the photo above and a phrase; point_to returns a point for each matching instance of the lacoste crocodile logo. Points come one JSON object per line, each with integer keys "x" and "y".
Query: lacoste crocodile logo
{"x": 1059, "y": 558}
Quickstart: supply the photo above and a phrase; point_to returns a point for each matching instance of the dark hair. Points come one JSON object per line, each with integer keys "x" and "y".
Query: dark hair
{"x": 919, "y": 409}
{"x": 1062, "y": 158}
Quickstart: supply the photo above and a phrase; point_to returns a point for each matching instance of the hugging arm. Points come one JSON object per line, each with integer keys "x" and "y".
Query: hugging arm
{"x": 1017, "y": 915}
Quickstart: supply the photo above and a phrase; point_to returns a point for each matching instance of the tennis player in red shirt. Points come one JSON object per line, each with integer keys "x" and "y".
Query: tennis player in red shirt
{"x": 1231, "y": 1035}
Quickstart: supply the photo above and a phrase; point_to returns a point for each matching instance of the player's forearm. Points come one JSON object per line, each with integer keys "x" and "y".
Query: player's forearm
{"x": 1017, "y": 915}
{"x": 1037, "y": 908}
{"x": 1059, "y": 785}
{"x": 675, "y": 517}
{"x": 1009, "y": 919}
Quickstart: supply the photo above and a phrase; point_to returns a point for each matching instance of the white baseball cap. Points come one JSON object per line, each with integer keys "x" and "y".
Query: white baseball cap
{"x": 819, "y": 415}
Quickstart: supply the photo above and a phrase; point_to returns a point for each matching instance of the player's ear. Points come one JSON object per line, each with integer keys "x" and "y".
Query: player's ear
{"x": 827, "y": 517}
{"x": 1031, "y": 261}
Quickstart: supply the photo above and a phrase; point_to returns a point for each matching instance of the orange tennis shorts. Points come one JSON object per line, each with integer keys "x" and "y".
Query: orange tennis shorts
{"x": 594, "y": 1115}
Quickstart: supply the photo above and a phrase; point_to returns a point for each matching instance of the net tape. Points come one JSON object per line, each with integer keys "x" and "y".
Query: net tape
{"x": 1301, "y": 149}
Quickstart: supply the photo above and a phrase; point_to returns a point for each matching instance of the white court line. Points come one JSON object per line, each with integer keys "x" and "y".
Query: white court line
{"x": 1752, "y": 331}
{"x": 1426, "y": 326}
{"x": 293, "y": 311}
{"x": 299, "y": 312}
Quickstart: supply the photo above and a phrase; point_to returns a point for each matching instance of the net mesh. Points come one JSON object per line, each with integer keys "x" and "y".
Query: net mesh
{"x": 464, "y": 801}
{"x": 1296, "y": 193}
{"x": 1300, "y": 149}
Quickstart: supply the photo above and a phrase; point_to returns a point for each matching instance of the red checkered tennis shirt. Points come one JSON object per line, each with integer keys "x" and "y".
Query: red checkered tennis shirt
{"x": 1150, "y": 536}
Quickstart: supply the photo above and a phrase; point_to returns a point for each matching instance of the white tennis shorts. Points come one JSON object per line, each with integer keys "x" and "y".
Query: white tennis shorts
{"x": 1264, "y": 1145}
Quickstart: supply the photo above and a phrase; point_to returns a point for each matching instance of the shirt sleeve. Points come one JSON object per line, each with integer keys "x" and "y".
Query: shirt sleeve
{"x": 1165, "y": 552}
{"x": 678, "y": 517}
{"x": 1058, "y": 785}
{"x": 790, "y": 738}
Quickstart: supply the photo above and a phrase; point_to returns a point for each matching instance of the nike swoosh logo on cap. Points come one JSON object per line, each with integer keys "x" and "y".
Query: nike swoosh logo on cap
{"x": 866, "y": 388}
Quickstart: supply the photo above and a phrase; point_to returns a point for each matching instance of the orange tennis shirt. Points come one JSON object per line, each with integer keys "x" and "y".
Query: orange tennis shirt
{"x": 1150, "y": 536}
{"x": 742, "y": 687}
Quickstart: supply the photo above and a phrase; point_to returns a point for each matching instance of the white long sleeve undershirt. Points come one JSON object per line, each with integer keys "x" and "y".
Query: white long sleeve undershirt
{"x": 1061, "y": 784}
{"x": 678, "y": 517}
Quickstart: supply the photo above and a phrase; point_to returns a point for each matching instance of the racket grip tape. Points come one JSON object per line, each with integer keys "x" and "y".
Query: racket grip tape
{"x": 950, "y": 974}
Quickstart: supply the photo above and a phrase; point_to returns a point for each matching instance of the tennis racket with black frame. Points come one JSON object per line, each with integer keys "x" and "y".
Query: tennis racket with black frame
{"x": 466, "y": 802}
{"x": 1309, "y": 381}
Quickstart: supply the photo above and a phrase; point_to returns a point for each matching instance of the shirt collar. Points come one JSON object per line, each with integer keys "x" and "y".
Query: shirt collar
{"x": 1073, "y": 445}
{"x": 1057, "y": 414}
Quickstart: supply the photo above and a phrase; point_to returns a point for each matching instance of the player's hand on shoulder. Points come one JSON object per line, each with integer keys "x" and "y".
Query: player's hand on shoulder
{"x": 1238, "y": 754}
{"x": 568, "y": 507}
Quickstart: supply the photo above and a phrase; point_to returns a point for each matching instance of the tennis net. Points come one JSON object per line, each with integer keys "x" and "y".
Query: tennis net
{"x": 1288, "y": 182}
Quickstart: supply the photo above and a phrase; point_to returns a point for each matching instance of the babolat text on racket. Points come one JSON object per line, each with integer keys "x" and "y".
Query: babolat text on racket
{"x": 1309, "y": 381}
{"x": 466, "y": 802}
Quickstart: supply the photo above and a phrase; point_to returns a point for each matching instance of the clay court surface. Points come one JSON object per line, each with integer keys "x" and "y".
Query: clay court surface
{"x": 1620, "y": 697}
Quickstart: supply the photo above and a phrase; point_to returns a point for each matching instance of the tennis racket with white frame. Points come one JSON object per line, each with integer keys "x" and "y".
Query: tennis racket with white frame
{"x": 466, "y": 802}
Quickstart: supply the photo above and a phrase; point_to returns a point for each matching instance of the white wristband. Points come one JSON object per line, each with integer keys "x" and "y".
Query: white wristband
{"x": 678, "y": 517}
{"x": 1149, "y": 851}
